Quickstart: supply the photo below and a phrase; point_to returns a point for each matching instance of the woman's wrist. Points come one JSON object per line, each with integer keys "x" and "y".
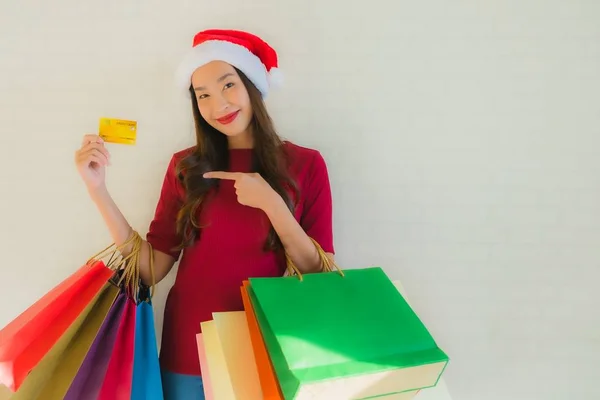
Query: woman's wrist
{"x": 98, "y": 193}
{"x": 275, "y": 206}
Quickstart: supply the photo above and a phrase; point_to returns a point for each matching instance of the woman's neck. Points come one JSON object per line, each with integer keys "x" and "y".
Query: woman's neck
{"x": 242, "y": 141}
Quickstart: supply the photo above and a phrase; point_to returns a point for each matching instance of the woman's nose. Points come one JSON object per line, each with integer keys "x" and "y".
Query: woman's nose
{"x": 220, "y": 103}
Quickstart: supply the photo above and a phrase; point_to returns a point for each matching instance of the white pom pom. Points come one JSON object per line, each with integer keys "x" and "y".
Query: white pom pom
{"x": 275, "y": 78}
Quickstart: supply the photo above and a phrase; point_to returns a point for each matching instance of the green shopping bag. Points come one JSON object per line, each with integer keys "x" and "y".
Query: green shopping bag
{"x": 345, "y": 335}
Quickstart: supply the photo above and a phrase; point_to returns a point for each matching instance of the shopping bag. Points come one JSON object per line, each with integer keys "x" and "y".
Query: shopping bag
{"x": 416, "y": 394}
{"x": 25, "y": 340}
{"x": 439, "y": 391}
{"x": 206, "y": 379}
{"x": 118, "y": 379}
{"x": 397, "y": 396}
{"x": 147, "y": 383}
{"x": 220, "y": 379}
{"x": 89, "y": 378}
{"x": 5, "y": 393}
{"x": 344, "y": 334}
{"x": 51, "y": 378}
{"x": 266, "y": 373}
{"x": 234, "y": 338}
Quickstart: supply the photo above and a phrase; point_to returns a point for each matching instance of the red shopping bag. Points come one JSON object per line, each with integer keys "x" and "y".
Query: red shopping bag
{"x": 119, "y": 375}
{"x": 25, "y": 340}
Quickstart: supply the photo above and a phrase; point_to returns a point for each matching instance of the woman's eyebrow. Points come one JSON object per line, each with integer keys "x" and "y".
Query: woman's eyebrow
{"x": 221, "y": 79}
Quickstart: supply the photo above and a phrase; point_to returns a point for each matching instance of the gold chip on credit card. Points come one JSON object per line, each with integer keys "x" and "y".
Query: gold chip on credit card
{"x": 121, "y": 131}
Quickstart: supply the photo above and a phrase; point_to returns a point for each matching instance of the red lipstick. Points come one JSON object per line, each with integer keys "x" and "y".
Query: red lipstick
{"x": 227, "y": 119}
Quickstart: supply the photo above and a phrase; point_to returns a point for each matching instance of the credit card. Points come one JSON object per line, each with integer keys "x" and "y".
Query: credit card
{"x": 113, "y": 130}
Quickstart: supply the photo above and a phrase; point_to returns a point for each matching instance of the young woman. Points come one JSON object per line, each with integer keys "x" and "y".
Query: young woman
{"x": 231, "y": 206}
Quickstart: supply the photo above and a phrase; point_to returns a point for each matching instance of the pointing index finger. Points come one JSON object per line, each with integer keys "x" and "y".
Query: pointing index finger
{"x": 223, "y": 175}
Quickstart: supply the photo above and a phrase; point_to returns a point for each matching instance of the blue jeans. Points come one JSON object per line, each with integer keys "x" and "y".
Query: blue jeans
{"x": 182, "y": 387}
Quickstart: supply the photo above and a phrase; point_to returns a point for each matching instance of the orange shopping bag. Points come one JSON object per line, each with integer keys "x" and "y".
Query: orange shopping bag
{"x": 266, "y": 373}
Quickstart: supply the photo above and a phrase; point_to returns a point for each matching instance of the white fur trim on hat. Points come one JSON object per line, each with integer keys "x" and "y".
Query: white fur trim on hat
{"x": 231, "y": 53}
{"x": 275, "y": 78}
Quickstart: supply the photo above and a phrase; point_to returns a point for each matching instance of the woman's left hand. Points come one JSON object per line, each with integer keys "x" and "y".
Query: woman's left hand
{"x": 251, "y": 189}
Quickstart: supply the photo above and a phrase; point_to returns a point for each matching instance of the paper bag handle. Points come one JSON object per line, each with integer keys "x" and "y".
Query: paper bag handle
{"x": 327, "y": 263}
{"x": 130, "y": 265}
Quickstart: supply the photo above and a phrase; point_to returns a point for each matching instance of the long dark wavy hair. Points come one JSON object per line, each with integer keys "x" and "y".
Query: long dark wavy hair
{"x": 211, "y": 153}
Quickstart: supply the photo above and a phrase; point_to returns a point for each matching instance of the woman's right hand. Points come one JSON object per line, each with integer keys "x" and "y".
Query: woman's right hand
{"x": 91, "y": 160}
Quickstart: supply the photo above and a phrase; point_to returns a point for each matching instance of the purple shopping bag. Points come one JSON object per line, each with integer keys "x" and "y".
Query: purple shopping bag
{"x": 89, "y": 378}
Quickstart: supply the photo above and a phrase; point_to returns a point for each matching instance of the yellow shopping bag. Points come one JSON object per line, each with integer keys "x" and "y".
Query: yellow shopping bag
{"x": 206, "y": 381}
{"x": 230, "y": 358}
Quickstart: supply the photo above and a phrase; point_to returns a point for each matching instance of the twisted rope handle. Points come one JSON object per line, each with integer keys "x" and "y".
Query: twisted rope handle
{"x": 130, "y": 264}
{"x": 116, "y": 258}
{"x": 152, "y": 276}
{"x": 328, "y": 265}
{"x": 131, "y": 273}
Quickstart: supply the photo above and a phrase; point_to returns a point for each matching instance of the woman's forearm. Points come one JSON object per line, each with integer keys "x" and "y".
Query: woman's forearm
{"x": 296, "y": 242}
{"x": 120, "y": 231}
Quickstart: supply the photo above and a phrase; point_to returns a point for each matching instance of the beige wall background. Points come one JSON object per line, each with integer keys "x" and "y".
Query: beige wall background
{"x": 462, "y": 141}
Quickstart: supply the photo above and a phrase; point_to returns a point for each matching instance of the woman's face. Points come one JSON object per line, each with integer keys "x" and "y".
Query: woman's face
{"x": 223, "y": 100}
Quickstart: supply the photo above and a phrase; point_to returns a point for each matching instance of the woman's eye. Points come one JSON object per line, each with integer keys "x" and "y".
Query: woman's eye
{"x": 202, "y": 96}
{"x": 228, "y": 85}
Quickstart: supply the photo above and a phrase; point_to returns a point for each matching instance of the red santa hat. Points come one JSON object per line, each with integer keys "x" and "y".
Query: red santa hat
{"x": 245, "y": 51}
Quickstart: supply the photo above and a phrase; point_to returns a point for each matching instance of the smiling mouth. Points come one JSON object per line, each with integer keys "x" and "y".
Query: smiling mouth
{"x": 228, "y": 118}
